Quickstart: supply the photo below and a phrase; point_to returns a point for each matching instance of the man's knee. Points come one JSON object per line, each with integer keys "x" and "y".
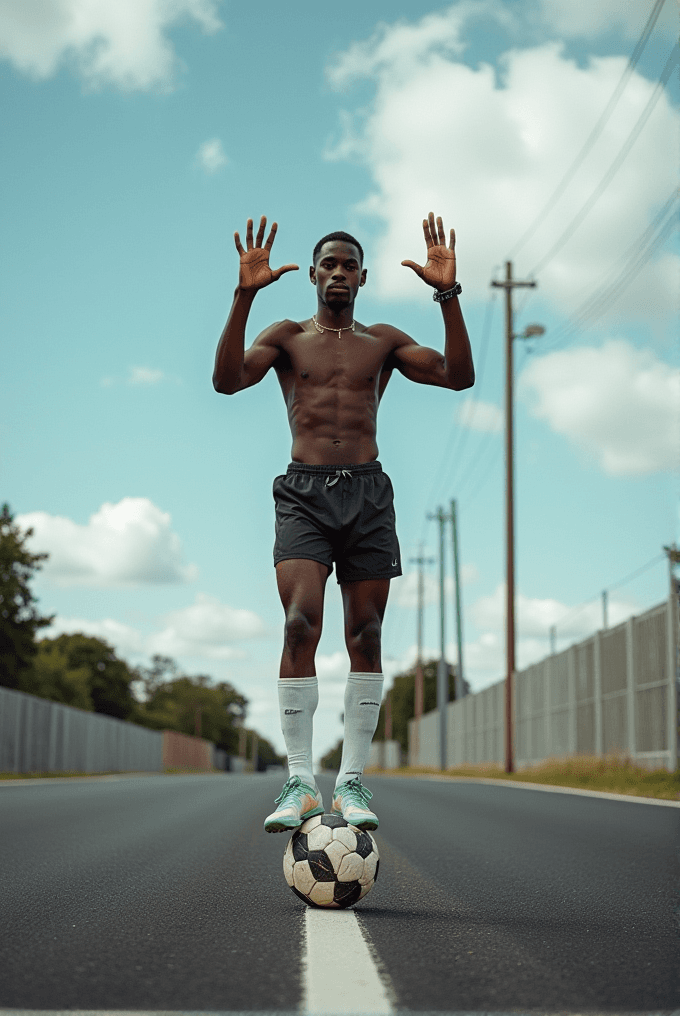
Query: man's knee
{"x": 364, "y": 637}
{"x": 302, "y": 631}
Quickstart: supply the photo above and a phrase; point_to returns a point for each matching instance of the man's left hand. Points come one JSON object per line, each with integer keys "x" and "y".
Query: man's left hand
{"x": 440, "y": 269}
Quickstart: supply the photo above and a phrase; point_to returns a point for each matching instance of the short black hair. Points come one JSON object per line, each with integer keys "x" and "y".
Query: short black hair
{"x": 338, "y": 235}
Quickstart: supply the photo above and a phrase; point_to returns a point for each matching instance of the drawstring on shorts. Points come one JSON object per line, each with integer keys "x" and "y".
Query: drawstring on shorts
{"x": 333, "y": 478}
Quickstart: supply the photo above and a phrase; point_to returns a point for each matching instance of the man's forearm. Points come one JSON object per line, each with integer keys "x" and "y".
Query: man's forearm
{"x": 229, "y": 359}
{"x": 459, "y": 367}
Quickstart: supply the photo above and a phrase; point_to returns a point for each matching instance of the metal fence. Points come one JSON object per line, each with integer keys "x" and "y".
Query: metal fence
{"x": 37, "y": 735}
{"x": 614, "y": 692}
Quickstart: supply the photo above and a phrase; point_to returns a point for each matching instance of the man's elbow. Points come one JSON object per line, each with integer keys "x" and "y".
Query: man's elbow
{"x": 223, "y": 387}
{"x": 460, "y": 382}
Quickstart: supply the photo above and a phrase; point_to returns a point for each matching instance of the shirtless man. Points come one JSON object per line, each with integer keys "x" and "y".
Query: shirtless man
{"x": 334, "y": 504}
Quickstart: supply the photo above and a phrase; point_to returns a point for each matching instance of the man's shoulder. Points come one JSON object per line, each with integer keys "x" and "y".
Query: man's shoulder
{"x": 278, "y": 331}
{"x": 389, "y": 333}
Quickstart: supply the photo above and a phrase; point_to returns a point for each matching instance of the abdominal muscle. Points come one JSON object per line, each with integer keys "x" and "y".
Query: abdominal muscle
{"x": 333, "y": 426}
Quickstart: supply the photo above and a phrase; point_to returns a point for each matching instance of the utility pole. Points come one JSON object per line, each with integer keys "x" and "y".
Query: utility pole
{"x": 553, "y": 639}
{"x": 421, "y": 561}
{"x": 442, "y": 668}
{"x": 459, "y": 599}
{"x": 509, "y": 284}
{"x": 604, "y": 608}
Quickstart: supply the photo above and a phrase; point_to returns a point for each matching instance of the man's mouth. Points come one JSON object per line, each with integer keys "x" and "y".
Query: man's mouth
{"x": 340, "y": 289}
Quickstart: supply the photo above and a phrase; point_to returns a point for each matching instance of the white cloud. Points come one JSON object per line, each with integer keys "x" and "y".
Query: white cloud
{"x": 207, "y": 628}
{"x": 145, "y": 376}
{"x": 587, "y": 18}
{"x": 485, "y": 147}
{"x": 211, "y": 156}
{"x": 535, "y": 616}
{"x": 620, "y": 404}
{"x": 123, "y": 544}
{"x": 478, "y": 415}
{"x": 125, "y": 640}
{"x": 108, "y": 42}
{"x": 405, "y": 588}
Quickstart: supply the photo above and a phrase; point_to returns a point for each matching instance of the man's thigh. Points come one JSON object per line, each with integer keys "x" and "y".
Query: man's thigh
{"x": 364, "y": 601}
{"x": 301, "y": 585}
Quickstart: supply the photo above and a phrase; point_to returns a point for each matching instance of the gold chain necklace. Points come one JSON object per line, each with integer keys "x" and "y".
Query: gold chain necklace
{"x": 322, "y": 328}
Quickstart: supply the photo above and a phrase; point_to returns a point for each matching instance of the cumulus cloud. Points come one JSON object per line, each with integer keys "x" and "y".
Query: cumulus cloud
{"x": 618, "y": 403}
{"x": 211, "y": 156}
{"x": 485, "y": 147}
{"x": 207, "y": 628}
{"x": 124, "y": 544}
{"x": 535, "y": 616}
{"x": 123, "y": 43}
{"x": 145, "y": 376}
{"x": 125, "y": 640}
{"x": 405, "y": 588}
{"x": 588, "y": 18}
{"x": 478, "y": 415}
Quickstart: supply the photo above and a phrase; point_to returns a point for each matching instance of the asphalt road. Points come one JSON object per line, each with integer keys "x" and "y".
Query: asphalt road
{"x": 164, "y": 893}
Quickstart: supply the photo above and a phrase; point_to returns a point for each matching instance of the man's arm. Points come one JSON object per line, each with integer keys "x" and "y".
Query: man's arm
{"x": 426, "y": 366}
{"x": 234, "y": 368}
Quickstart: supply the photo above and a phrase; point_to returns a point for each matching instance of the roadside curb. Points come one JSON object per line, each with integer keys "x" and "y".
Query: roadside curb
{"x": 547, "y": 788}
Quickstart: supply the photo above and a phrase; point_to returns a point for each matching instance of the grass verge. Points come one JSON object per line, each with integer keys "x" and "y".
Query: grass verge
{"x": 614, "y": 774}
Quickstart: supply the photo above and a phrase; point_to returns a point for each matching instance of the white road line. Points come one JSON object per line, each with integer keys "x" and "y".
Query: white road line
{"x": 339, "y": 975}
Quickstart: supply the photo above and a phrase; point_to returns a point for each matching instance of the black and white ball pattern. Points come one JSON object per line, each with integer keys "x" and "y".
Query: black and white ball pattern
{"x": 329, "y": 863}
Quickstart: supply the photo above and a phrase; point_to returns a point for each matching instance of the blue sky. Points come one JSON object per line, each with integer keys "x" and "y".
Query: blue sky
{"x": 137, "y": 137}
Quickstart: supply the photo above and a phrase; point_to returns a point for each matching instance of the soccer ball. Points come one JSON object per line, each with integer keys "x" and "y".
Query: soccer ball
{"x": 330, "y": 863}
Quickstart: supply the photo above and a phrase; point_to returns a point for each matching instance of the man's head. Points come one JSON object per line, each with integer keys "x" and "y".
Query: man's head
{"x": 337, "y": 271}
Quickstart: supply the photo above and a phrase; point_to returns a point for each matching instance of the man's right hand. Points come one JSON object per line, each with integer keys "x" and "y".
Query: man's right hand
{"x": 255, "y": 272}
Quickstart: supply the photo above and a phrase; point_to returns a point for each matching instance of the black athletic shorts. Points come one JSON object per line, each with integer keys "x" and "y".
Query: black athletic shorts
{"x": 338, "y": 513}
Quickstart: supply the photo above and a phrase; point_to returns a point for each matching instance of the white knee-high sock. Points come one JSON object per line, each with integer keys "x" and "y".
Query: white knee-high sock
{"x": 362, "y": 708}
{"x": 298, "y": 699}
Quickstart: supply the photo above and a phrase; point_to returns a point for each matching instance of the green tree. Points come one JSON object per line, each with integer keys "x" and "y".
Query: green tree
{"x": 402, "y": 694}
{"x": 190, "y": 704}
{"x": 52, "y": 677}
{"x": 108, "y": 677}
{"x": 19, "y": 618}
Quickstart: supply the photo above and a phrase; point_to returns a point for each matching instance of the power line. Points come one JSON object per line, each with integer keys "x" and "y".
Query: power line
{"x": 458, "y": 433}
{"x": 596, "y": 131}
{"x": 614, "y": 166}
{"x": 638, "y": 254}
{"x": 575, "y": 611}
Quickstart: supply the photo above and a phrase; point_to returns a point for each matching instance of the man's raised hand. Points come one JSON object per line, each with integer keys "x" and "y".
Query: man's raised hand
{"x": 440, "y": 269}
{"x": 255, "y": 272}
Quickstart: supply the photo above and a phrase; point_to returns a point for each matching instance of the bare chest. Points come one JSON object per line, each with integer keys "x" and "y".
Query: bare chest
{"x": 349, "y": 360}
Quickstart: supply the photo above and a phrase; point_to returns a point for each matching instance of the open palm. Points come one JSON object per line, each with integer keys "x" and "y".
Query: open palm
{"x": 439, "y": 271}
{"x": 254, "y": 271}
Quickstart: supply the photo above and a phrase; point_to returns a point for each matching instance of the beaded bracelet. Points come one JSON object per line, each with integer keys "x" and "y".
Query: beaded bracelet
{"x": 442, "y": 297}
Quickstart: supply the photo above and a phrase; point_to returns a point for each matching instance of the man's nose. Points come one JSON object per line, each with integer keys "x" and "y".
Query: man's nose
{"x": 338, "y": 273}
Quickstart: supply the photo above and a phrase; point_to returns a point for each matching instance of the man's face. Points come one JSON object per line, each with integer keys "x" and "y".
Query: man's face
{"x": 338, "y": 274}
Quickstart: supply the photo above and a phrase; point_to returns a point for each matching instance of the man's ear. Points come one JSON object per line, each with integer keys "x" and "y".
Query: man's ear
{"x": 362, "y": 281}
{"x": 312, "y": 275}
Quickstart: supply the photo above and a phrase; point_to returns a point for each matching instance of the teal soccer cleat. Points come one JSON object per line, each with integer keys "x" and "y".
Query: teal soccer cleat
{"x": 350, "y": 800}
{"x": 296, "y": 802}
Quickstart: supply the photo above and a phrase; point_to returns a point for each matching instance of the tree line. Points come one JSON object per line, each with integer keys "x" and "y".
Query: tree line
{"x": 86, "y": 672}
{"x": 402, "y": 700}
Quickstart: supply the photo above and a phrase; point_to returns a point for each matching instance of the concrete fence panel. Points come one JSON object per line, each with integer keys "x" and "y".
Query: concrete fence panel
{"x": 615, "y": 692}
{"x": 37, "y": 735}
